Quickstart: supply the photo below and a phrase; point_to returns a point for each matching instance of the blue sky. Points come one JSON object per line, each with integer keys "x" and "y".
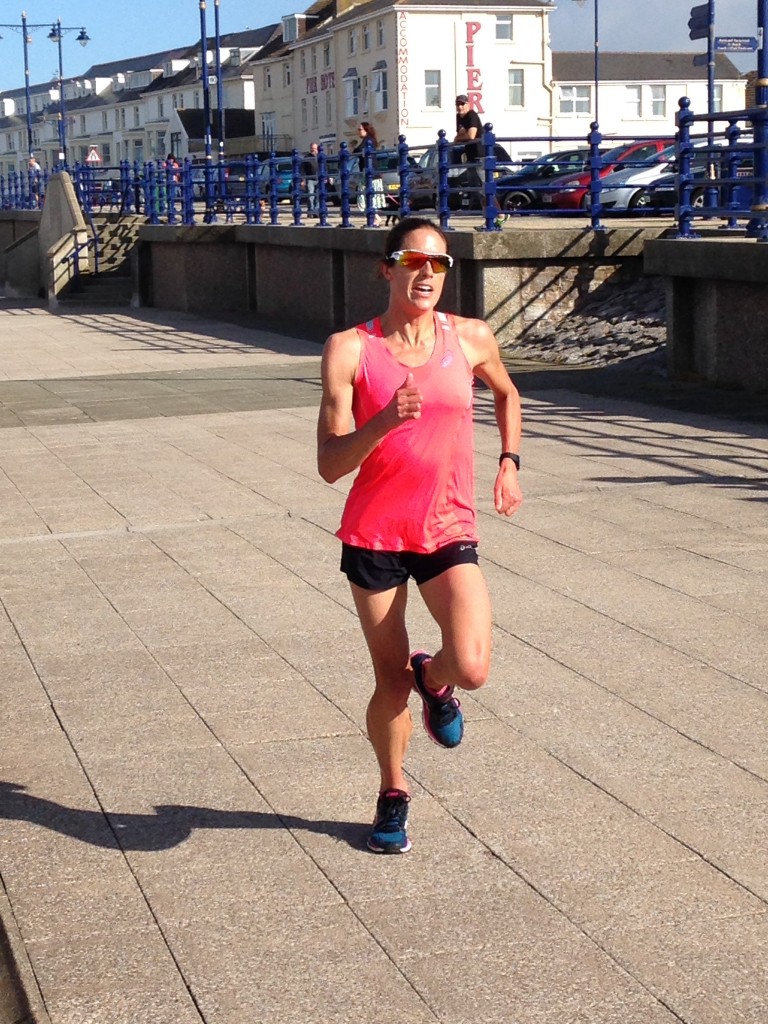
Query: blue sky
{"x": 144, "y": 26}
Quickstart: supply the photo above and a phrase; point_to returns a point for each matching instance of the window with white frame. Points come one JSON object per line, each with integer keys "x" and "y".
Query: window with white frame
{"x": 326, "y": 55}
{"x": 268, "y": 78}
{"x": 364, "y": 108}
{"x": 351, "y": 97}
{"x": 504, "y": 26}
{"x": 268, "y": 124}
{"x": 286, "y": 75}
{"x": 303, "y": 63}
{"x": 658, "y": 101}
{"x": 575, "y": 99}
{"x": 82, "y": 124}
{"x": 380, "y": 97}
{"x": 313, "y": 58}
{"x": 717, "y": 99}
{"x": 304, "y": 114}
{"x": 122, "y": 118}
{"x": 516, "y": 83}
{"x": 328, "y": 107}
{"x": 136, "y": 117}
{"x": 379, "y": 32}
{"x": 196, "y": 99}
{"x": 432, "y": 89}
{"x": 632, "y": 106}
{"x": 175, "y": 101}
{"x": 315, "y": 112}
{"x": 366, "y": 36}
{"x": 104, "y": 121}
{"x": 351, "y": 42}
{"x": 106, "y": 153}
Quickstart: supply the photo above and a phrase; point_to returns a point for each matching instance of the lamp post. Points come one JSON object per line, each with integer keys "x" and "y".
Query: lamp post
{"x": 597, "y": 54}
{"x": 55, "y": 35}
{"x": 219, "y": 83}
{"x": 206, "y": 83}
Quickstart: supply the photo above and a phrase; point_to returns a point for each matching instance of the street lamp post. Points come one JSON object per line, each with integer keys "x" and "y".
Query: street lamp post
{"x": 219, "y": 83}
{"x": 206, "y": 84}
{"x": 597, "y": 54}
{"x": 55, "y": 35}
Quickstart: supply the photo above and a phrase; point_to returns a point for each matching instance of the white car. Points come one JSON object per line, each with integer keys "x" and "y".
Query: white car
{"x": 628, "y": 189}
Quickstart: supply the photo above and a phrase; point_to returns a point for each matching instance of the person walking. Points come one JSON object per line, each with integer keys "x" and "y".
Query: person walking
{"x": 406, "y": 379}
{"x": 366, "y": 131}
{"x": 310, "y": 172}
{"x": 469, "y": 132}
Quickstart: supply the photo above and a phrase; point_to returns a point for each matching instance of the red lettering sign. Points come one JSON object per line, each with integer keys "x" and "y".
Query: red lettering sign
{"x": 474, "y": 74}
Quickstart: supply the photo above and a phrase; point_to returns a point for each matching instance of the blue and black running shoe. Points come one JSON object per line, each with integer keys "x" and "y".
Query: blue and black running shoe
{"x": 441, "y": 714}
{"x": 390, "y": 827}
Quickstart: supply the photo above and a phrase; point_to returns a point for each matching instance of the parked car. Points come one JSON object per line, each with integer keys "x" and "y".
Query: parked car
{"x": 663, "y": 194}
{"x": 463, "y": 186}
{"x": 573, "y": 191}
{"x": 227, "y": 180}
{"x": 524, "y": 188}
{"x": 386, "y": 165}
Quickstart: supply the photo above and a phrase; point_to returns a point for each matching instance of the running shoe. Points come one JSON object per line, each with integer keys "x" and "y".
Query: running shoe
{"x": 441, "y": 713}
{"x": 390, "y": 826}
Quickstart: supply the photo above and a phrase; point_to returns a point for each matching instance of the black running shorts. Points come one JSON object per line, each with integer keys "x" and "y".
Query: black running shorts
{"x": 383, "y": 570}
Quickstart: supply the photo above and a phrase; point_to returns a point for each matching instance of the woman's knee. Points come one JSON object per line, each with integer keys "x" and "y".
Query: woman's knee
{"x": 472, "y": 669}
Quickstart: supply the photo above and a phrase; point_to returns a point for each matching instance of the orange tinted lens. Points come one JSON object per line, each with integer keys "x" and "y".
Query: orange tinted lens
{"x": 416, "y": 260}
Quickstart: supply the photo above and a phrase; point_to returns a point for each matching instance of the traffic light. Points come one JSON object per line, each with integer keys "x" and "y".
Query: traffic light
{"x": 698, "y": 23}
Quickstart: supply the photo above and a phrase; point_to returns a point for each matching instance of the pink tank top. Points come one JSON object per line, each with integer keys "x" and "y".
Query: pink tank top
{"x": 415, "y": 491}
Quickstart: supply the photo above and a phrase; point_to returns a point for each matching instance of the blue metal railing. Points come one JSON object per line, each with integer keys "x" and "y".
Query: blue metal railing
{"x": 407, "y": 179}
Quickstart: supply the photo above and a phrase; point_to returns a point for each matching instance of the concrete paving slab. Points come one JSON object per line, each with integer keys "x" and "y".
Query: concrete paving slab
{"x": 185, "y": 782}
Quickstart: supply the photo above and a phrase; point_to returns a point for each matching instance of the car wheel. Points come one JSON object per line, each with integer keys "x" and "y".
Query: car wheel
{"x": 640, "y": 200}
{"x": 516, "y": 201}
{"x": 586, "y": 201}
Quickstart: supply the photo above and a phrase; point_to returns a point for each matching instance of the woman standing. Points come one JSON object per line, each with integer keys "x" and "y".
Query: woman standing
{"x": 406, "y": 380}
{"x": 365, "y": 131}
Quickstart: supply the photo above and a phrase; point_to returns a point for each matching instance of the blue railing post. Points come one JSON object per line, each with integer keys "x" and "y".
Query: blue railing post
{"x": 684, "y": 210}
{"x": 404, "y": 173}
{"x": 273, "y": 198}
{"x": 368, "y": 174}
{"x": 322, "y": 187}
{"x": 757, "y": 226}
{"x": 594, "y": 139}
{"x": 443, "y": 149}
{"x": 296, "y": 179}
{"x": 252, "y": 198}
{"x": 187, "y": 192}
{"x": 344, "y": 184}
{"x": 733, "y": 159}
{"x": 490, "y": 206}
{"x": 150, "y": 196}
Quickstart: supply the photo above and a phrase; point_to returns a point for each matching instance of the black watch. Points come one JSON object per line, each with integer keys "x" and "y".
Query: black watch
{"x": 512, "y": 456}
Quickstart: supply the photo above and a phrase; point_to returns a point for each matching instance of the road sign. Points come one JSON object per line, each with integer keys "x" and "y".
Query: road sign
{"x": 698, "y": 23}
{"x": 700, "y": 60}
{"x": 93, "y": 156}
{"x": 735, "y": 44}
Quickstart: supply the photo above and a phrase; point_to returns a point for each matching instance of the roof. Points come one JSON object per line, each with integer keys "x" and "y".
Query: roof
{"x": 637, "y": 67}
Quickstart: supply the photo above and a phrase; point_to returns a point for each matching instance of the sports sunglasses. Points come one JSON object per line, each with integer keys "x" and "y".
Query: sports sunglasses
{"x": 414, "y": 259}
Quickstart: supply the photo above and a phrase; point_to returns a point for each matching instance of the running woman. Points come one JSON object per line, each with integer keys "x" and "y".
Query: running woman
{"x": 405, "y": 380}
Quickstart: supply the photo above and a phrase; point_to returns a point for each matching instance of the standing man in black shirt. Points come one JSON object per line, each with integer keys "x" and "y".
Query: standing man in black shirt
{"x": 469, "y": 130}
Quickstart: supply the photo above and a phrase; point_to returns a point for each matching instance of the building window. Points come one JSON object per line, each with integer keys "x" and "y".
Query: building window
{"x": 658, "y": 101}
{"x": 267, "y": 78}
{"x": 268, "y": 124}
{"x": 160, "y": 106}
{"x": 303, "y": 63}
{"x": 432, "y": 96}
{"x": 351, "y": 97}
{"x": 122, "y": 119}
{"x": 104, "y": 121}
{"x": 380, "y": 98}
{"x": 304, "y": 115}
{"x": 366, "y": 37}
{"x": 717, "y": 100}
{"x": 136, "y": 117}
{"x": 351, "y": 42}
{"x": 379, "y": 33}
{"x": 286, "y": 75}
{"x": 313, "y": 58}
{"x": 575, "y": 99}
{"x": 82, "y": 124}
{"x": 106, "y": 153}
{"x": 315, "y": 112}
{"x": 326, "y": 55}
{"x": 196, "y": 99}
{"x": 516, "y": 80}
{"x": 364, "y": 95}
{"x": 504, "y": 26}
{"x": 632, "y": 103}
{"x": 329, "y": 107}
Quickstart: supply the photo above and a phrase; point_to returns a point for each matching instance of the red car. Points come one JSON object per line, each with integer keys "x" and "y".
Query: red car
{"x": 573, "y": 193}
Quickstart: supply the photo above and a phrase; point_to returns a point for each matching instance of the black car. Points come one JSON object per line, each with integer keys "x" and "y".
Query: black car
{"x": 464, "y": 183}
{"x": 663, "y": 195}
{"x": 523, "y": 189}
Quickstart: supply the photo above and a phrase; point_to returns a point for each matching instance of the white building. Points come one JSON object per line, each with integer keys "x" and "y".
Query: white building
{"x": 396, "y": 63}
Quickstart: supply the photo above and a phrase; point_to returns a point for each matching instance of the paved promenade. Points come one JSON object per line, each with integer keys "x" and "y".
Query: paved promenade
{"x": 185, "y": 783}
